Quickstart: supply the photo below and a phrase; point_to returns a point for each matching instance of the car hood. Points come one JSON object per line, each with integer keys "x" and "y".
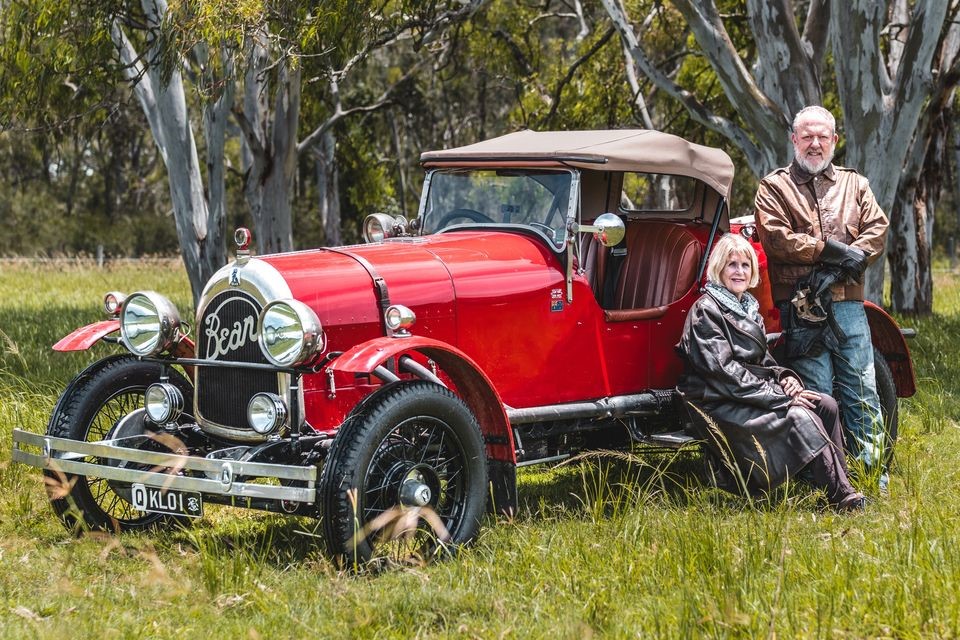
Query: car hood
{"x": 427, "y": 274}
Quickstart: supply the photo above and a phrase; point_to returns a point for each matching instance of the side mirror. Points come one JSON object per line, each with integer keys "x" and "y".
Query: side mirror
{"x": 608, "y": 229}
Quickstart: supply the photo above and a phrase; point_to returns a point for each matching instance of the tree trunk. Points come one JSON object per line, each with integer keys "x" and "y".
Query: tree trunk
{"x": 276, "y": 217}
{"x": 885, "y": 115}
{"x": 910, "y": 246}
{"x": 270, "y": 146}
{"x": 215, "y": 114}
{"x": 165, "y": 106}
{"x": 328, "y": 188}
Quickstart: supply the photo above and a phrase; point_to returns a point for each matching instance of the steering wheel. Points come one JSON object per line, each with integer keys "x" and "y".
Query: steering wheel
{"x": 469, "y": 214}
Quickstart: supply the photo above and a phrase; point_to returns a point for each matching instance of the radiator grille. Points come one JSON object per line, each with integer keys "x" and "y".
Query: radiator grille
{"x": 227, "y": 332}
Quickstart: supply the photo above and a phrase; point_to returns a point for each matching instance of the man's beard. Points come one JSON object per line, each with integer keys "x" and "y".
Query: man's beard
{"x": 813, "y": 169}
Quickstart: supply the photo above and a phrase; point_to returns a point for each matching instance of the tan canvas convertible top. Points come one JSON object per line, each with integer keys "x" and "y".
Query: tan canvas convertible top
{"x": 603, "y": 150}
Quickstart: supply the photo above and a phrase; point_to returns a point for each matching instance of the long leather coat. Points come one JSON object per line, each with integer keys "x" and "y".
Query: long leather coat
{"x": 731, "y": 377}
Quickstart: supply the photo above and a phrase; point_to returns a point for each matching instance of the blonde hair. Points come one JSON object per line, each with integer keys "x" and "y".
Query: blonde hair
{"x": 726, "y": 246}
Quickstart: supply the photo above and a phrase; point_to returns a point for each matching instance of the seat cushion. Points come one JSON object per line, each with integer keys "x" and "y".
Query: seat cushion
{"x": 660, "y": 265}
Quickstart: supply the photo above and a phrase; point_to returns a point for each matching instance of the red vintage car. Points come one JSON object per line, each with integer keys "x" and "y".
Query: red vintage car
{"x": 528, "y": 312}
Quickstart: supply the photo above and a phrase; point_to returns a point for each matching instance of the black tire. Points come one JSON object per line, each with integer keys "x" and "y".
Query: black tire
{"x": 409, "y": 434}
{"x": 889, "y": 407}
{"x": 88, "y": 410}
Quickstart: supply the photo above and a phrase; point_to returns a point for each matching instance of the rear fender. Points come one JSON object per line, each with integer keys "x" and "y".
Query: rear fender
{"x": 889, "y": 341}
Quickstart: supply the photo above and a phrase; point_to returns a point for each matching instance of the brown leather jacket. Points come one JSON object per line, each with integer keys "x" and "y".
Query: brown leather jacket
{"x": 796, "y": 212}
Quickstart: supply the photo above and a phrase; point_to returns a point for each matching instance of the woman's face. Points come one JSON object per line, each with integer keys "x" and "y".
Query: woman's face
{"x": 735, "y": 274}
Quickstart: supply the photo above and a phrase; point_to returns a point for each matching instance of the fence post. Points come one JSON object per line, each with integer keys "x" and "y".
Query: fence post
{"x": 100, "y": 256}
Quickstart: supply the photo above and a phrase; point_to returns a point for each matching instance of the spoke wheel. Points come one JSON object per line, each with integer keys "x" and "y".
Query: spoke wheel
{"x": 89, "y": 410}
{"x": 405, "y": 479}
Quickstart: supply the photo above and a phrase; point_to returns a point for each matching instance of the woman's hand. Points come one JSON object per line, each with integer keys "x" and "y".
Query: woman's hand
{"x": 791, "y": 386}
{"x": 805, "y": 398}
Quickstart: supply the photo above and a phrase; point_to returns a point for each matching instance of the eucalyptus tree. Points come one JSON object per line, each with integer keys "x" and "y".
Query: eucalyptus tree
{"x": 894, "y": 65}
{"x": 242, "y": 62}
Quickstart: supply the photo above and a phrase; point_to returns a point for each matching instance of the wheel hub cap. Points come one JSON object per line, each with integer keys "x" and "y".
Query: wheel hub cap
{"x": 415, "y": 493}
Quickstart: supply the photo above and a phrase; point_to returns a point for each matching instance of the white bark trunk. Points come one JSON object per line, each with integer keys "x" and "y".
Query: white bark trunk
{"x": 276, "y": 216}
{"x": 164, "y": 104}
{"x": 215, "y": 115}
{"x": 884, "y": 112}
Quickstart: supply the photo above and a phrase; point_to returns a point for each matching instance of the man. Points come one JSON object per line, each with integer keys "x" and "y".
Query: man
{"x": 814, "y": 213}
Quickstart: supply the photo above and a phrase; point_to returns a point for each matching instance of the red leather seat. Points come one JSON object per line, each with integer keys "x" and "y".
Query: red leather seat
{"x": 659, "y": 268}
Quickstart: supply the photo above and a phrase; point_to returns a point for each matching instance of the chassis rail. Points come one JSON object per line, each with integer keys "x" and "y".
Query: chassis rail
{"x": 223, "y": 477}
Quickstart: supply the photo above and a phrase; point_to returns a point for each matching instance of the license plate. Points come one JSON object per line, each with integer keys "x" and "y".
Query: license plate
{"x": 156, "y": 500}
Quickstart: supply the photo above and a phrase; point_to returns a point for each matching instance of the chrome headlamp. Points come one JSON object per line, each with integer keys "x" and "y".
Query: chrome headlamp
{"x": 266, "y": 413}
{"x": 377, "y": 227}
{"x": 163, "y": 402}
{"x": 149, "y": 323}
{"x": 289, "y": 333}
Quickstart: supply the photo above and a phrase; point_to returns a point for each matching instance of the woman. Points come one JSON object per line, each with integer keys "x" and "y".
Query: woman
{"x": 763, "y": 423}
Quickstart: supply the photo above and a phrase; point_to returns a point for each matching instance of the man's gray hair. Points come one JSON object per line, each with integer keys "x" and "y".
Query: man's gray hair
{"x": 819, "y": 112}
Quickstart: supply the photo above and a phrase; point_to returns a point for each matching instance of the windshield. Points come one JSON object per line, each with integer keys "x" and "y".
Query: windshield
{"x": 538, "y": 199}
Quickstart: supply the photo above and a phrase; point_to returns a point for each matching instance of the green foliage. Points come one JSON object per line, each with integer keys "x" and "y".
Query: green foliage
{"x": 56, "y": 60}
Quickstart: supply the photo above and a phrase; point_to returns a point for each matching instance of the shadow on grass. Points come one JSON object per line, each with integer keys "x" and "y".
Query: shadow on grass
{"x": 607, "y": 484}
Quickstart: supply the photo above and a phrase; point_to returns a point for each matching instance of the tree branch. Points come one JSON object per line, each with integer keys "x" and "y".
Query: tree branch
{"x": 558, "y": 91}
{"x": 698, "y": 111}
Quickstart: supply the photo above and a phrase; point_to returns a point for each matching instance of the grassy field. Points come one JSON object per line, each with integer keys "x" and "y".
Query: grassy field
{"x": 608, "y": 547}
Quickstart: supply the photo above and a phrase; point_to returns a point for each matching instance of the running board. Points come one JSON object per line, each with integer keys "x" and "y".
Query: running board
{"x": 670, "y": 439}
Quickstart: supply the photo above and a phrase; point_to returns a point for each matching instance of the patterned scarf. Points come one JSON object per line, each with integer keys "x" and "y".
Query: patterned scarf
{"x": 746, "y": 307}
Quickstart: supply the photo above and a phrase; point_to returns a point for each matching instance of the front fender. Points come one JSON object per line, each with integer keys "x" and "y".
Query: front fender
{"x": 472, "y": 384}
{"x": 888, "y": 340}
{"x": 85, "y": 337}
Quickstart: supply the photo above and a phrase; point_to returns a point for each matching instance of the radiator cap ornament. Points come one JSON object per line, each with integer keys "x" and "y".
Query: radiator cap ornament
{"x": 243, "y": 238}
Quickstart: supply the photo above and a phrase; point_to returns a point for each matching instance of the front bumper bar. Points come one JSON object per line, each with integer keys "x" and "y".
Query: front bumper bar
{"x": 173, "y": 471}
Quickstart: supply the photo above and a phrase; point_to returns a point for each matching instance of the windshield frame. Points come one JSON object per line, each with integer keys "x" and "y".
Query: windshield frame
{"x": 558, "y": 237}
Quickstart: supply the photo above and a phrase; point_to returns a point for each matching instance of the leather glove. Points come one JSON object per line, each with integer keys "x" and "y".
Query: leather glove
{"x": 851, "y": 260}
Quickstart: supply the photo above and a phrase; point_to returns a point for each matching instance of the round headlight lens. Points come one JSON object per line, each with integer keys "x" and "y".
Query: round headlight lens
{"x": 377, "y": 227}
{"x": 163, "y": 402}
{"x": 373, "y": 228}
{"x": 149, "y": 323}
{"x": 266, "y": 413}
{"x": 289, "y": 333}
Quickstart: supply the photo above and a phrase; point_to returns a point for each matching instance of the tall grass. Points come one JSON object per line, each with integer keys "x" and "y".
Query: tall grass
{"x": 614, "y": 545}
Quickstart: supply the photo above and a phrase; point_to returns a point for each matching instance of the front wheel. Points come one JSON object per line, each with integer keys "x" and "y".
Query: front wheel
{"x": 406, "y": 477}
{"x": 89, "y": 410}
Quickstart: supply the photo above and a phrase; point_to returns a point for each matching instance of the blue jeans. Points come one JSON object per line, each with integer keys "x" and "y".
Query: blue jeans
{"x": 848, "y": 373}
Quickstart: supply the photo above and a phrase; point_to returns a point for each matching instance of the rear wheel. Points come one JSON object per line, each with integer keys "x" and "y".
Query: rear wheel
{"x": 89, "y": 410}
{"x": 406, "y": 477}
{"x": 889, "y": 407}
